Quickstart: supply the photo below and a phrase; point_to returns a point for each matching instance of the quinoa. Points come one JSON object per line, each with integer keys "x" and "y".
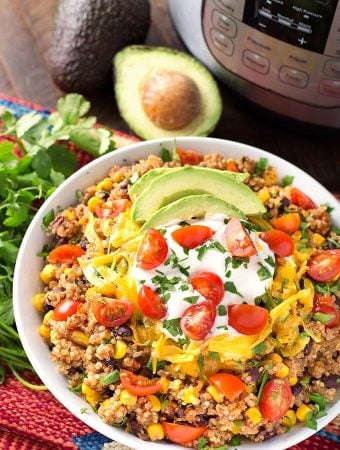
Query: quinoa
{"x": 92, "y": 355}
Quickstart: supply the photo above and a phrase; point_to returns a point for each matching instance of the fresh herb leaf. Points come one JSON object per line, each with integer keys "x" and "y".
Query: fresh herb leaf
{"x": 191, "y": 299}
{"x": 165, "y": 155}
{"x": 222, "y": 327}
{"x": 235, "y": 440}
{"x": 261, "y": 165}
{"x": 221, "y": 310}
{"x": 318, "y": 400}
{"x": 110, "y": 378}
{"x": 76, "y": 388}
{"x": 238, "y": 262}
{"x": 305, "y": 382}
{"x": 44, "y": 251}
{"x": 229, "y": 286}
{"x": 264, "y": 379}
{"x": 263, "y": 273}
{"x": 287, "y": 180}
{"x": 47, "y": 219}
{"x": 214, "y": 355}
{"x": 259, "y": 348}
{"x": 269, "y": 260}
{"x": 311, "y": 421}
{"x": 84, "y": 410}
{"x": 173, "y": 326}
{"x": 202, "y": 444}
{"x": 323, "y": 318}
{"x": 201, "y": 251}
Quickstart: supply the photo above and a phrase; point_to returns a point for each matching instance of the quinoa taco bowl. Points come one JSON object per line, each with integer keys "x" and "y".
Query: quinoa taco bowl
{"x": 187, "y": 296}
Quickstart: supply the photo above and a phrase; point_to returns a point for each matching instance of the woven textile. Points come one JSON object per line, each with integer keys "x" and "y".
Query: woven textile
{"x": 35, "y": 420}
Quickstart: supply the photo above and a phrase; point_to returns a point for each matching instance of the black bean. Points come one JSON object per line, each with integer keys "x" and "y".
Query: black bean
{"x": 83, "y": 243}
{"x": 108, "y": 362}
{"x": 285, "y": 202}
{"x": 123, "y": 331}
{"x": 308, "y": 348}
{"x": 254, "y": 373}
{"x": 61, "y": 241}
{"x": 180, "y": 412}
{"x": 134, "y": 426}
{"x": 297, "y": 389}
{"x": 47, "y": 308}
{"x": 125, "y": 183}
{"x": 202, "y": 420}
{"x": 104, "y": 195}
{"x": 331, "y": 381}
{"x": 269, "y": 434}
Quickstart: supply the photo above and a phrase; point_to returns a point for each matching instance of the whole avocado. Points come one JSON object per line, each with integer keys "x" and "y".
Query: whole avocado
{"x": 88, "y": 33}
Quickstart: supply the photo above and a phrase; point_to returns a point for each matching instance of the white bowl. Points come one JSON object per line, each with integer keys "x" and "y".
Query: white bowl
{"x": 27, "y": 284}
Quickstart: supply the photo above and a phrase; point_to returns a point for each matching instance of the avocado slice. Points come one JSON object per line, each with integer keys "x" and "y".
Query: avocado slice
{"x": 161, "y": 92}
{"x": 190, "y": 180}
{"x": 191, "y": 206}
{"x": 144, "y": 182}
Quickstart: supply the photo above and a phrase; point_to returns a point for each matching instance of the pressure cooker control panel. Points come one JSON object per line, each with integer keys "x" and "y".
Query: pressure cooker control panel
{"x": 291, "y": 47}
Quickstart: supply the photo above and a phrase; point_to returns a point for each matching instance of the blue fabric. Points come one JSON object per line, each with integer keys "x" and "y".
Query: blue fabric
{"x": 328, "y": 435}
{"x": 91, "y": 441}
{"x": 18, "y": 110}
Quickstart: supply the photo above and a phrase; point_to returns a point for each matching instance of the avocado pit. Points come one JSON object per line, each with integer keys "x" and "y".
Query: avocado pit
{"x": 170, "y": 99}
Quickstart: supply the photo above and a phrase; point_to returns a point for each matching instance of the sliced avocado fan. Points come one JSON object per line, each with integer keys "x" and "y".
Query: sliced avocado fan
{"x": 189, "y": 207}
{"x": 189, "y": 180}
{"x": 144, "y": 182}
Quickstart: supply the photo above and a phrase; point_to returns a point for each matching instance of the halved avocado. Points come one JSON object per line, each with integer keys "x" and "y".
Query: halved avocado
{"x": 145, "y": 181}
{"x": 191, "y": 206}
{"x": 189, "y": 180}
{"x": 162, "y": 92}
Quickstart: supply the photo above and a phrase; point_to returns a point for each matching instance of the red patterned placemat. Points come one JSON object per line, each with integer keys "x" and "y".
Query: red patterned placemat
{"x": 35, "y": 420}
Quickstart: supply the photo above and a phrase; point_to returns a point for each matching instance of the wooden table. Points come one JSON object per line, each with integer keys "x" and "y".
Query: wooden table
{"x": 25, "y": 36}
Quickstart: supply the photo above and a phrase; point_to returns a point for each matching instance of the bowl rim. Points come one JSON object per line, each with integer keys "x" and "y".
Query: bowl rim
{"x": 284, "y": 440}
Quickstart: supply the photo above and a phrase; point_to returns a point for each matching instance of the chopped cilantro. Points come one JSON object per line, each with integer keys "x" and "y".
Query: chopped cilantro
{"x": 222, "y": 327}
{"x": 202, "y": 444}
{"x": 184, "y": 287}
{"x": 173, "y": 326}
{"x": 335, "y": 230}
{"x": 201, "y": 251}
{"x": 237, "y": 262}
{"x": 311, "y": 421}
{"x": 83, "y": 410}
{"x": 217, "y": 246}
{"x": 325, "y": 288}
{"x": 305, "y": 381}
{"x": 263, "y": 273}
{"x": 323, "y": 318}
{"x": 183, "y": 341}
{"x": 264, "y": 379}
{"x": 318, "y": 400}
{"x": 191, "y": 299}
{"x": 213, "y": 245}
{"x": 76, "y": 388}
{"x": 287, "y": 180}
{"x": 110, "y": 378}
{"x": 174, "y": 262}
{"x": 227, "y": 262}
{"x": 229, "y": 286}
{"x": 165, "y": 155}
{"x": 250, "y": 226}
{"x": 160, "y": 364}
{"x": 166, "y": 297}
{"x": 214, "y": 355}
{"x": 261, "y": 165}
{"x": 259, "y": 348}
{"x": 235, "y": 440}
{"x": 329, "y": 208}
{"x": 47, "y": 219}
{"x": 184, "y": 224}
{"x": 320, "y": 404}
{"x": 335, "y": 243}
{"x": 200, "y": 362}
{"x": 269, "y": 260}
{"x": 164, "y": 284}
{"x": 228, "y": 273}
{"x": 162, "y": 231}
{"x": 222, "y": 310}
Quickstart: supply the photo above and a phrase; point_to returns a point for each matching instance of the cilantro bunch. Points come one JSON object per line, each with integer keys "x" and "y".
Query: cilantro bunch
{"x": 32, "y": 164}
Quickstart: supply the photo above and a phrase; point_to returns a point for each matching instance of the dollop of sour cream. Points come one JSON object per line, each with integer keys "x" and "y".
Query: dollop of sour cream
{"x": 244, "y": 278}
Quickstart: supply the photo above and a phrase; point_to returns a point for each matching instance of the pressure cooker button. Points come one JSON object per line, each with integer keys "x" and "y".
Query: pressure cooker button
{"x": 329, "y": 87}
{"x": 222, "y": 42}
{"x": 297, "y": 78}
{"x": 332, "y": 69}
{"x": 232, "y": 7}
{"x": 225, "y": 23}
{"x": 255, "y": 62}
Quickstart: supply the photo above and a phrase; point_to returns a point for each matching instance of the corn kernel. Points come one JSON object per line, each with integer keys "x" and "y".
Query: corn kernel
{"x": 317, "y": 240}
{"x": 155, "y": 403}
{"x": 254, "y": 415}
{"x": 235, "y": 429}
{"x": 48, "y": 273}
{"x": 120, "y": 349}
{"x": 94, "y": 203}
{"x": 47, "y": 317}
{"x": 175, "y": 385}
{"x": 165, "y": 385}
{"x": 155, "y": 432}
{"x": 105, "y": 403}
{"x": 127, "y": 399}
{"x": 44, "y": 331}
{"x": 289, "y": 419}
{"x": 215, "y": 393}
{"x": 302, "y": 412}
{"x": 91, "y": 395}
{"x": 80, "y": 338}
{"x": 292, "y": 381}
{"x": 38, "y": 302}
{"x": 276, "y": 358}
{"x": 54, "y": 336}
{"x": 69, "y": 214}
{"x": 90, "y": 292}
{"x": 263, "y": 195}
{"x": 270, "y": 176}
{"x": 67, "y": 271}
{"x": 283, "y": 371}
{"x": 190, "y": 396}
{"x": 104, "y": 185}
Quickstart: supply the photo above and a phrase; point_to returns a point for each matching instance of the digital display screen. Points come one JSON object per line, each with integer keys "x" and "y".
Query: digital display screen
{"x": 303, "y": 23}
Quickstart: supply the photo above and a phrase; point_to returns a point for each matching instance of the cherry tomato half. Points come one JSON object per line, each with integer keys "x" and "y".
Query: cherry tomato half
{"x": 279, "y": 242}
{"x": 230, "y": 385}
{"x": 150, "y": 303}
{"x": 275, "y": 399}
{"x": 231, "y": 166}
{"x": 152, "y": 251}
{"x": 192, "y": 236}
{"x": 238, "y": 240}
{"x": 182, "y": 434}
{"x": 197, "y": 320}
{"x": 289, "y": 223}
{"x": 325, "y": 304}
{"x": 112, "y": 312}
{"x": 299, "y": 198}
{"x": 247, "y": 319}
{"x": 65, "y": 309}
{"x": 209, "y": 285}
{"x": 137, "y": 384}
{"x": 113, "y": 208}
{"x": 325, "y": 265}
{"x": 191, "y": 157}
{"x": 66, "y": 253}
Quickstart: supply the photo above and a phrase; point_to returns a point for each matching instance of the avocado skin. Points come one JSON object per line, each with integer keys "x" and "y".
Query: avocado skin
{"x": 88, "y": 33}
